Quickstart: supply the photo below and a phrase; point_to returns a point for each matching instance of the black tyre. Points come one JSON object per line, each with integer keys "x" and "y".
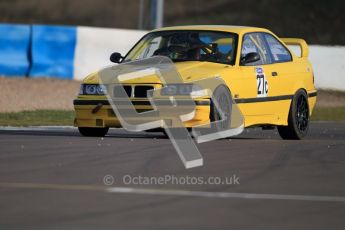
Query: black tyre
{"x": 223, "y": 97}
{"x": 157, "y": 130}
{"x": 93, "y": 132}
{"x": 298, "y": 120}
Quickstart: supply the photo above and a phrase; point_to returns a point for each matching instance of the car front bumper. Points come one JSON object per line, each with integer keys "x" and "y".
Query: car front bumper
{"x": 99, "y": 113}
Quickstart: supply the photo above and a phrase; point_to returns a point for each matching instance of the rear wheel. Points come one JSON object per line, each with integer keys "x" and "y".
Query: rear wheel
{"x": 93, "y": 132}
{"x": 298, "y": 120}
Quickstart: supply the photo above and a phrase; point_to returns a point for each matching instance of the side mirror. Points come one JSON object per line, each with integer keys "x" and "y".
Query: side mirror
{"x": 250, "y": 58}
{"x": 116, "y": 57}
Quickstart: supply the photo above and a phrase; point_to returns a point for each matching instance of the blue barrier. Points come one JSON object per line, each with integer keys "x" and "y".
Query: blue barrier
{"x": 52, "y": 51}
{"x": 14, "y": 48}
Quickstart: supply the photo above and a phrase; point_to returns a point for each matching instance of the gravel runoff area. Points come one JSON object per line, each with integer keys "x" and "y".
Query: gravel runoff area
{"x": 24, "y": 94}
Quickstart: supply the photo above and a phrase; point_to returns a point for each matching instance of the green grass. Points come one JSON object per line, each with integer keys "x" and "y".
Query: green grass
{"x": 63, "y": 117}
{"x": 37, "y": 117}
{"x": 328, "y": 114}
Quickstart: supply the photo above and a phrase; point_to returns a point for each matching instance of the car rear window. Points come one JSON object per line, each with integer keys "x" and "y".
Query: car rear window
{"x": 278, "y": 51}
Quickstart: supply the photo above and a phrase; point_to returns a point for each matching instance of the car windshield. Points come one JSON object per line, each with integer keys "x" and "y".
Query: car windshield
{"x": 187, "y": 46}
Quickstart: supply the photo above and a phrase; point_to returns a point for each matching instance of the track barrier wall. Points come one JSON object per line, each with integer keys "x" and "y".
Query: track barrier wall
{"x": 52, "y": 51}
{"x": 14, "y": 49}
{"x": 73, "y": 52}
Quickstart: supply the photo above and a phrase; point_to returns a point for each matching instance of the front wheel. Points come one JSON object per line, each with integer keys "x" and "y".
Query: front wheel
{"x": 93, "y": 132}
{"x": 222, "y": 115}
{"x": 298, "y": 120}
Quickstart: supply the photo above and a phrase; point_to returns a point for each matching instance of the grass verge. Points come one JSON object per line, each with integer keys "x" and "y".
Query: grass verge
{"x": 328, "y": 114}
{"x": 66, "y": 117}
{"x": 37, "y": 117}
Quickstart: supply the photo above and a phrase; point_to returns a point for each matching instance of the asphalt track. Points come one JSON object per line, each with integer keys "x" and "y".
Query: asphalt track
{"x": 54, "y": 179}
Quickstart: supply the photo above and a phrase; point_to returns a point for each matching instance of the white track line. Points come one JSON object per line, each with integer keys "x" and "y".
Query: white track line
{"x": 144, "y": 191}
{"x": 167, "y": 192}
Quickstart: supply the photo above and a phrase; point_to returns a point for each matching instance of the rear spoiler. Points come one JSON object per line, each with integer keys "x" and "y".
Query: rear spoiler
{"x": 298, "y": 42}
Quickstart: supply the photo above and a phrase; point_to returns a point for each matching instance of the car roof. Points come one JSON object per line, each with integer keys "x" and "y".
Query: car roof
{"x": 225, "y": 28}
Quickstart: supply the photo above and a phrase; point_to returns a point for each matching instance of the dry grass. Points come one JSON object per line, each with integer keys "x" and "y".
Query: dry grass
{"x": 37, "y": 117}
{"x": 330, "y": 98}
{"x": 23, "y": 94}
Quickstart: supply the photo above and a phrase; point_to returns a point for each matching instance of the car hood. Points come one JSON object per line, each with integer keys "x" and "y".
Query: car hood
{"x": 189, "y": 71}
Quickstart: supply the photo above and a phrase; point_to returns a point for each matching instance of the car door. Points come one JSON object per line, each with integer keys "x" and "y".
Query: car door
{"x": 281, "y": 75}
{"x": 256, "y": 75}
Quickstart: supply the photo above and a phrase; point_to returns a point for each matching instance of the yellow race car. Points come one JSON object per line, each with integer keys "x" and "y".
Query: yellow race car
{"x": 271, "y": 86}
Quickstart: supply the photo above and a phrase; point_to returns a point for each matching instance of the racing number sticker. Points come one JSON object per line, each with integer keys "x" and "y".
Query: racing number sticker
{"x": 261, "y": 82}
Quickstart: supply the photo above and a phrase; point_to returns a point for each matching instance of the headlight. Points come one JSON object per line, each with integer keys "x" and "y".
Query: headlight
{"x": 92, "y": 89}
{"x": 169, "y": 90}
{"x": 183, "y": 89}
{"x": 177, "y": 89}
{"x": 197, "y": 91}
{"x": 81, "y": 90}
{"x": 101, "y": 89}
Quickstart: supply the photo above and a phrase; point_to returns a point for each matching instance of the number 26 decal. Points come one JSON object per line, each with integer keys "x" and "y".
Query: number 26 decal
{"x": 261, "y": 82}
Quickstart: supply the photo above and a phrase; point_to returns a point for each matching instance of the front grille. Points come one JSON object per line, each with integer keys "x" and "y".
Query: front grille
{"x": 140, "y": 91}
{"x": 127, "y": 88}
